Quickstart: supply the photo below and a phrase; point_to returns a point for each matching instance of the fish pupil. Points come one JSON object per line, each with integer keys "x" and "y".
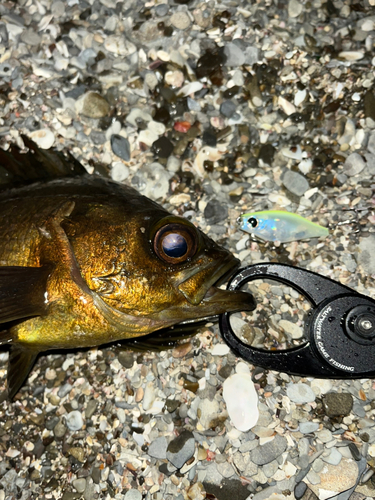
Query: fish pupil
{"x": 253, "y": 222}
{"x": 174, "y": 245}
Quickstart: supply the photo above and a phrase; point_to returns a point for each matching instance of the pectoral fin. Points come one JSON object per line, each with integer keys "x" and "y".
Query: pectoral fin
{"x": 19, "y": 365}
{"x": 22, "y": 292}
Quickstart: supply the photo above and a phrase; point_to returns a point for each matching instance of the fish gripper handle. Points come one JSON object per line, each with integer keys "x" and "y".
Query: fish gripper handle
{"x": 339, "y": 330}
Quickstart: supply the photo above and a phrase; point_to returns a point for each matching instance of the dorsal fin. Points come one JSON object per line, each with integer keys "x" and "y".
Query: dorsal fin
{"x": 19, "y": 168}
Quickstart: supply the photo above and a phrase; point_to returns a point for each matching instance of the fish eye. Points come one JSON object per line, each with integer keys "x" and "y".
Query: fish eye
{"x": 253, "y": 222}
{"x": 175, "y": 243}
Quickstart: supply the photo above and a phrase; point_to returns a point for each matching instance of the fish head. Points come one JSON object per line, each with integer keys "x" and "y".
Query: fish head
{"x": 167, "y": 271}
{"x": 261, "y": 224}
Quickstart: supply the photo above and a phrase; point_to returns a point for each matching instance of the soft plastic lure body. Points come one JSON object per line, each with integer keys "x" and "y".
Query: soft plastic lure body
{"x": 275, "y": 225}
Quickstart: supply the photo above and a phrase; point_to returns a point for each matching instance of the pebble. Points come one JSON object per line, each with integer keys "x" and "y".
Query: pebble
{"x": 241, "y": 399}
{"x": 366, "y": 257}
{"x": 269, "y": 451}
{"x": 120, "y": 147}
{"x": 92, "y": 105}
{"x": 180, "y": 20}
{"x": 181, "y": 449}
{"x": 295, "y": 183}
{"x": 133, "y": 495}
{"x": 158, "y": 448}
{"x": 228, "y": 108}
{"x": 30, "y": 37}
{"x": 74, "y": 420}
{"x": 300, "y": 393}
{"x": 234, "y": 54}
{"x": 308, "y": 427}
{"x": 337, "y": 404}
{"x": 294, "y": 8}
{"x": 215, "y": 211}
{"x": 354, "y": 164}
{"x": 79, "y": 484}
{"x": 119, "y": 172}
{"x": 44, "y": 138}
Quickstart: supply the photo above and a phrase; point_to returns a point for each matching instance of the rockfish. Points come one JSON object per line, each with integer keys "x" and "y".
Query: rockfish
{"x": 85, "y": 261}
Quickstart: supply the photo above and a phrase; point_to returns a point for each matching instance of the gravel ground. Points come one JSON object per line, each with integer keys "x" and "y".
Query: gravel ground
{"x": 212, "y": 109}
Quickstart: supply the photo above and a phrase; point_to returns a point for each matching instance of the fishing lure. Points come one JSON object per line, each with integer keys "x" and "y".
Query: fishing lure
{"x": 276, "y": 225}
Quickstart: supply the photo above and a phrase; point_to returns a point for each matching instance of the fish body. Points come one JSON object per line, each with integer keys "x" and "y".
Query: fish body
{"x": 85, "y": 261}
{"x": 275, "y": 225}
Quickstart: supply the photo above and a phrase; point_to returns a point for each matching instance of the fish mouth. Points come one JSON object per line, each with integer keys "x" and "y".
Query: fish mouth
{"x": 201, "y": 289}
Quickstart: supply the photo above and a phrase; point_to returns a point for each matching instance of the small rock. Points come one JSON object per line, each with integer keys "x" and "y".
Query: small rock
{"x": 294, "y": 8}
{"x": 149, "y": 396}
{"x": 241, "y": 399}
{"x": 158, "y": 448}
{"x": 308, "y": 427}
{"x": 78, "y": 453}
{"x": 126, "y": 358}
{"x": 181, "y": 449}
{"x": 91, "y": 408}
{"x": 162, "y": 147}
{"x": 79, "y": 484}
{"x": 120, "y": 147}
{"x": 369, "y": 105}
{"x": 215, "y": 212}
{"x": 334, "y": 458}
{"x": 300, "y": 393}
{"x": 337, "y": 404}
{"x": 295, "y": 331}
{"x": 295, "y": 183}
{"x": 299, "y": 490}
{"x": 74, "y": 420}
{"x": 59, "y": 430}
{"x": 92, "y": 105}
{"x": 269, "y": 451}
{"x": 180, "y": 20}
{"x": 366, "y": 257}
{"x": 228, "y": 108}
{"x": 354, "y": 164}
{"x": 371, "y": 143}
{"x": 44, "y": 138}
{"x": 119, "y": 172}
{"x": 351, "y": 55}
{"x": 161, "y": 9}
{"x": 235, "y": 56}
{"x": 30, "y": 37}
{"x": 133, "y": 495}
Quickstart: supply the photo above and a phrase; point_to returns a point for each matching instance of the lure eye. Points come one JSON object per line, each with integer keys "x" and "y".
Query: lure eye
{"x": 175, "y": 243}
{"x": 253, "y": 222}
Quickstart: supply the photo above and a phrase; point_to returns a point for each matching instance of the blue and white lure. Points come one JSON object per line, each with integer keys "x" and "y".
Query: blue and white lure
{"x": 276, "y": 225}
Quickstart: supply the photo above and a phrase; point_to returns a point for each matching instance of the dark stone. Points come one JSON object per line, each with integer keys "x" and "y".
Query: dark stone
{"x": 120, "y": 146}
{"x": 299, "y": 490}
{"x": 181, "y": 449}
{"x": 162, "y": 147}
{"x": 126, "y": 358}
{"x": 215, "y": 212}
{"x": 228, "y": 108}
{"x": 369, "y": 105}
{"x": 228, "y": 489}
{"x": 266, "y": 153}
{"x": 270, "y": 451}
{"x": 162, "y": 115}
{"x": 209, "y": 138}
{"x": 337, "y": 404}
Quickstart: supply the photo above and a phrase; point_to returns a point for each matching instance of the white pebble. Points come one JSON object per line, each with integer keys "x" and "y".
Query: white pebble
{"x": 174, "y": 78}
{"x": 300, "y": 393}
{"x": 351, "y": 55}
{"x": 44, "y": 138}
{"x": 190, "y": 88}
{"x": 300, "y": 97}
{"x": 220, "y": 350}
{"x": 241, "y": 399}
{"x": 119, "y": 172}
{"x": 286, "y": 106}
{"x": 149, "y": 396}
{"x": 74, "y": 420}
